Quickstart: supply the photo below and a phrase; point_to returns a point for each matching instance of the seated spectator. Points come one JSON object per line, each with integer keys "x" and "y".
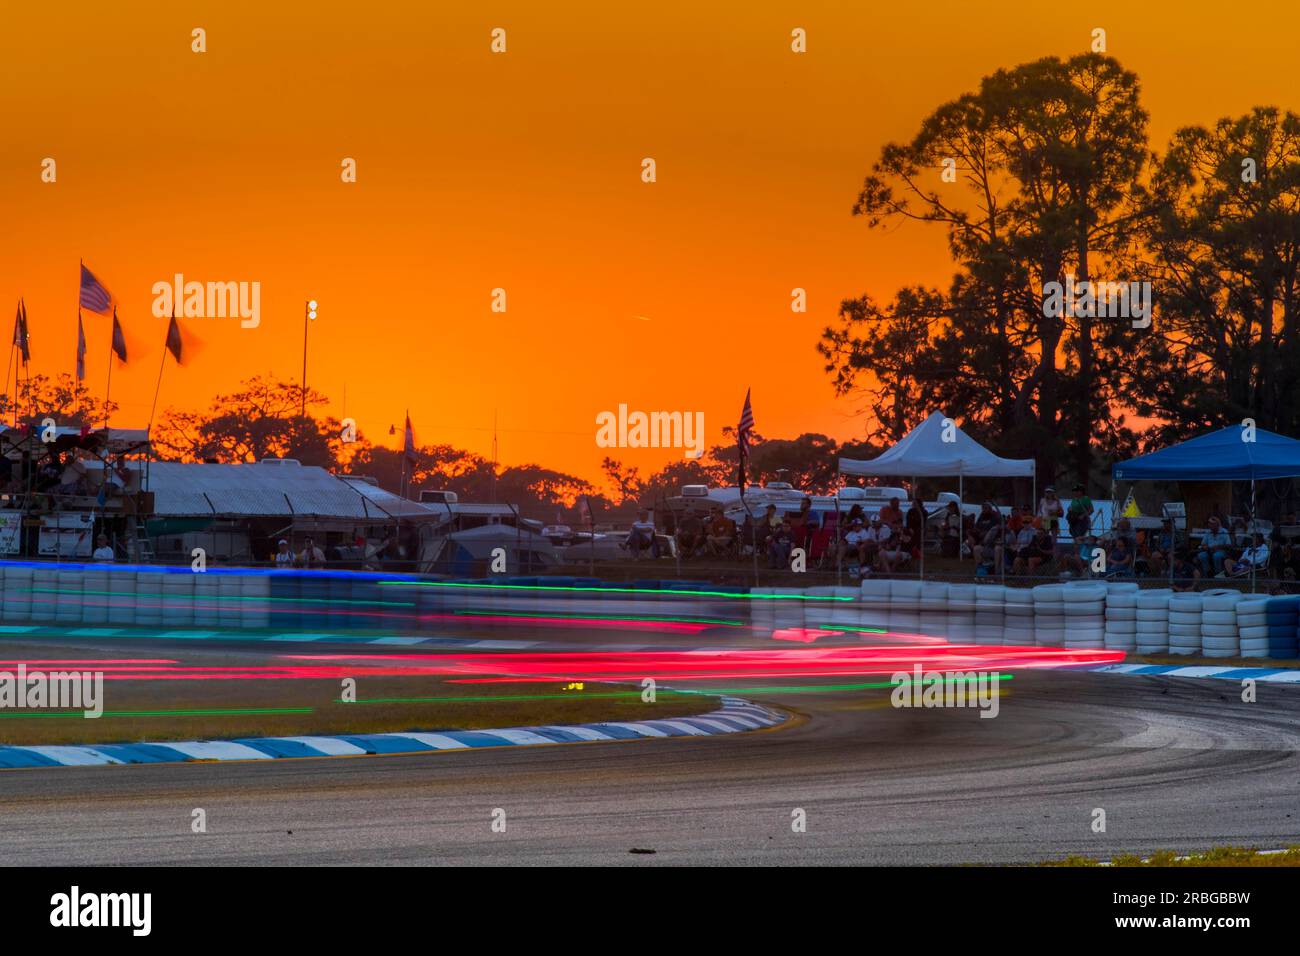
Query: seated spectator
{"x": 103, "y": 550}
{"x": 801, "y": 523}
{"x": 1079, "y": 515}
{"x": 1119, "y": 562}
{"x": 721, "y": 534}
{"x": 1255, "y": 556}
{"x": 1186, "y": 573}
{"x": 1022, "y": 547}
{"x": 1159, "y": 548}
{"x": 49, "y": 474}
{"x": 988, "y": 553}
{"x": 1241, "y": 537}
{"x": 988, "y": 518}
{"x": 642, "y": 536}
{"x": 851, "y": 549}
{"x": 690, "y": 536}
{"x": 875, "y": 538}
{"x": 950, "y": 543}
{"x": 892, "y": 515}
{"x": 768, "y": 526}
{"x": 1039, "y": 553}
{"x": 1216, "y": 548}
{"x": 779, "y": 546}
{"x": 895, "y": 551}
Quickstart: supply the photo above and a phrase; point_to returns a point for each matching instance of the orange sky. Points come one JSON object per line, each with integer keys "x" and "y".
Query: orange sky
{"x": 520, "y": 171}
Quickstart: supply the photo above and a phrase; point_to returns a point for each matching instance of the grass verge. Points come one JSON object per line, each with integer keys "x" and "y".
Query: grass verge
{"x": 1234, "y": 856}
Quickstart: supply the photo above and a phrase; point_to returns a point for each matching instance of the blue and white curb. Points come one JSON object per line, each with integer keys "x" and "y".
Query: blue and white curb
{"x": 735, "y": 716}
{"x": 1276, "y": 675}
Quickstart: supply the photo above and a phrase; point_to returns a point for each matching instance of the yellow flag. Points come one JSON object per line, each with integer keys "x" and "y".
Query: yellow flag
{"x": 1131, "y": 509}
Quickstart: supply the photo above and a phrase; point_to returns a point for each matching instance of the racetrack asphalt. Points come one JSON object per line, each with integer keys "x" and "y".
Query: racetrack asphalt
{"x": 1174, "y": 763}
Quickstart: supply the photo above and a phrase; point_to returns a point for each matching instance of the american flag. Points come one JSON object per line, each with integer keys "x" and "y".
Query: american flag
{"x": 173, "y": 342}
{"x": 81, "y": 348}
{"x": 20, "y": 332}
{"x": 119, "y": 340}
{"x": 93, "y": 294}
{"x": 746, "y": 427}
{"x": 408, "y": 441}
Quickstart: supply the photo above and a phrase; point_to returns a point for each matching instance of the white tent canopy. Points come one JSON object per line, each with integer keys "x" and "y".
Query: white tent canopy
{"x": 924, "y": 453}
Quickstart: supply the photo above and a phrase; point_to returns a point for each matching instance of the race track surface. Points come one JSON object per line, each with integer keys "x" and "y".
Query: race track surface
{"x": 1175, "y": 763}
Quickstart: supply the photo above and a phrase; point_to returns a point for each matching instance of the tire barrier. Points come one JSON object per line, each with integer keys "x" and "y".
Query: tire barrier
{"x": 1222, "y": 622}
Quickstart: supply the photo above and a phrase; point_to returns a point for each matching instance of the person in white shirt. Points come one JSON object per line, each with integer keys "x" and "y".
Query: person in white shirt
{"x": 283, "y": 557}
{"x": 1255, "y": 556}
{"x": 311, "y": 556}
{"x": 103, "y": 551}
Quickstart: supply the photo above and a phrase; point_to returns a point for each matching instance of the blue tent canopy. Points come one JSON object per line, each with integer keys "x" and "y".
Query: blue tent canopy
{"x": 1218, "y": 456}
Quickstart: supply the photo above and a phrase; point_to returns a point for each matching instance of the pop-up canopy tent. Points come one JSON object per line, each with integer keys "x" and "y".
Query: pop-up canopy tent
{"x": 938, "y": 448}
{"x": 1235, "y": 453}
{"x": 933, "y": 449}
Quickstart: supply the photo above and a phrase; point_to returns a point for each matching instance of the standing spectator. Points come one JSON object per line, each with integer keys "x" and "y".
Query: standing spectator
{"x": 1051, "y": 511}
{"x": 311, "y": 556}
{"x": 283, "y": 559}
{"x": 892, "y": 515}
{"x": 914, "y": 520}
{"x": 1216, "y": 546}
{"x": 1079, "y": 515}
{"x": 801, "y": 523}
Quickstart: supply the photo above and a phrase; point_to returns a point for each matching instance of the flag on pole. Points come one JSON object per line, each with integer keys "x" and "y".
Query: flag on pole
{"x": 174, "y": 338}
{"x": 119, "y": 340}
{"x": 21, "y": 337}
{"x": 94, "y": 296}
{"x": 1130, "y": 509}
{"x": 408, "y": 441}
{"x": 745, "y": 430}
{"x": 81, "y": 348}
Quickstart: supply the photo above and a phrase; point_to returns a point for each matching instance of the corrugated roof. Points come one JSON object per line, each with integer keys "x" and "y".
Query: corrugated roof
{"x": 183, "y": 489}
{"x": 382, "y": 503}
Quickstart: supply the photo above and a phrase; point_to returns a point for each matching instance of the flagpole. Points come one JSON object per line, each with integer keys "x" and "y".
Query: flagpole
{"x": 156, "y": 389}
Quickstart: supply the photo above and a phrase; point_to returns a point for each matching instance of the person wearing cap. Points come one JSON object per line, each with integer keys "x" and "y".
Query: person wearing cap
{"x": 877, "y": 535}
{"x": 854, "y": 543}
{"x": 283, "y": 556}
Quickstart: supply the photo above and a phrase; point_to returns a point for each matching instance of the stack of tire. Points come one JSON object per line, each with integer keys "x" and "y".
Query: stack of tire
{"x": 206, "y": 600}
{"x": 1049, "y": 615}
{"x": 873, "y": 611}
{"x": 847, "y": 611}
{"x": 1018, "y": 612}
{"x": 1185, "y": 623}
{"x": 17, "y": 594}
{"x": 819, "y": 611}
{"x": 1269, "y": 626}
{"x": 1121, "y": 617}
{"x": 1086, "y": 610}
{"x": 788, "y": 608}
{"x": 94, "y": 600}
{"x": 1153, "y": 621}
{"x": 990, "y": 614}
{"x": 905, "y": 606}
{"x": 1219, "y": 634}
{"x": 961, "y": 613}
{"x": 933, "y": 605}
